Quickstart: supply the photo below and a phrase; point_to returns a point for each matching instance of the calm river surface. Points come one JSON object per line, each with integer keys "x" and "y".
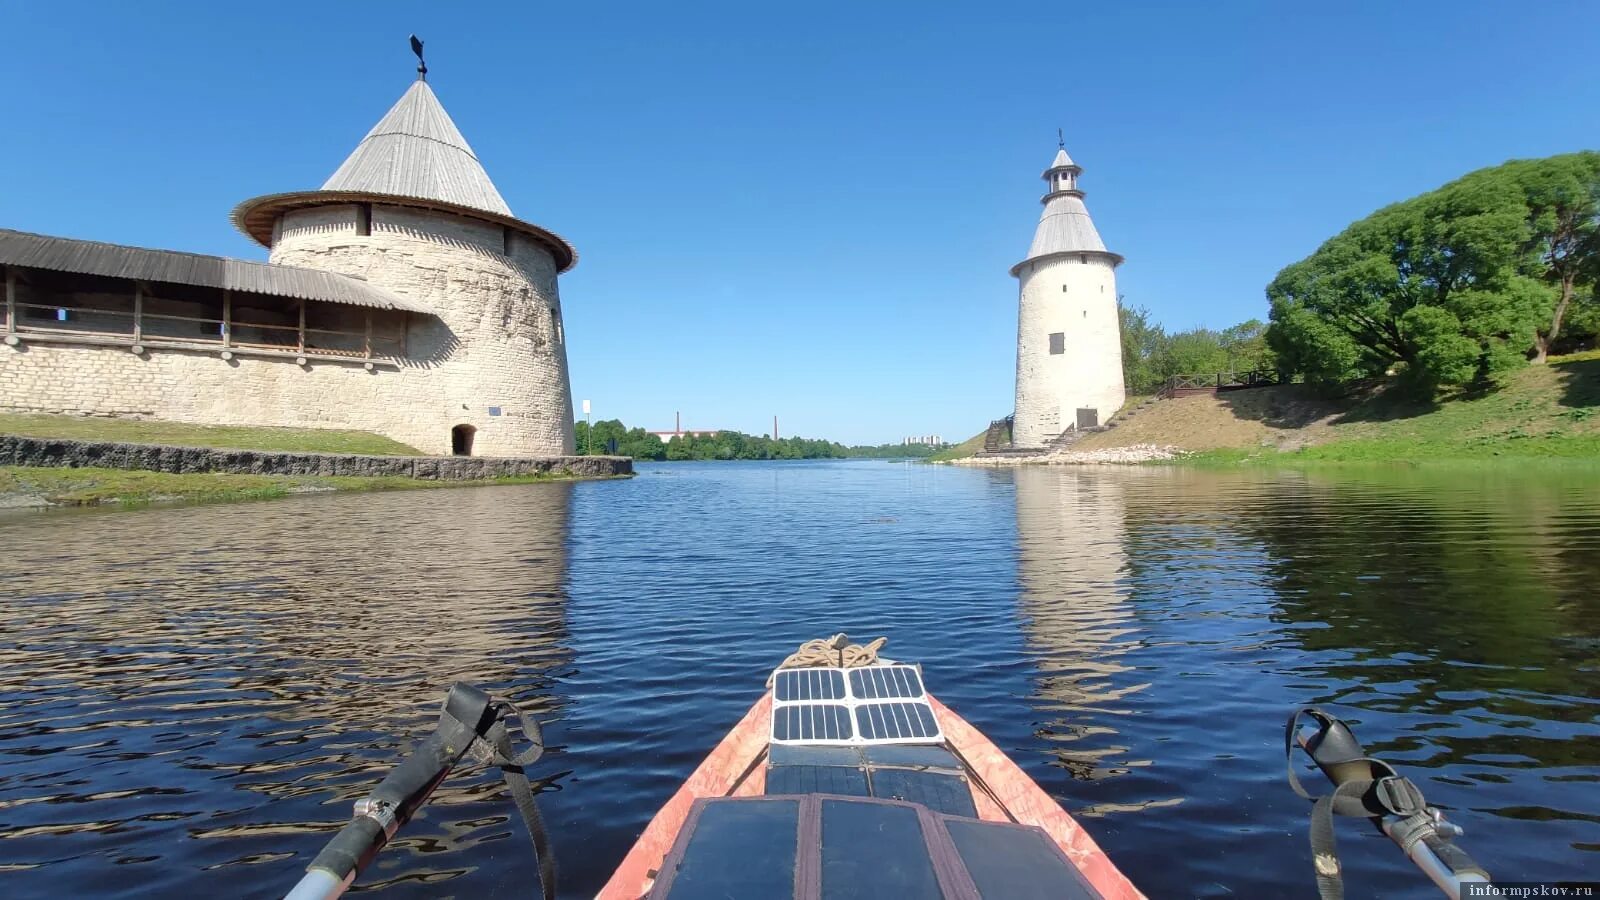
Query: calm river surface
{"x": 191, "y": 698}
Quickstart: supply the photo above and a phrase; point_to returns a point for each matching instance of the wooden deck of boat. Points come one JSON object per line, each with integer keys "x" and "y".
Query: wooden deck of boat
{"x": 734, "y": 768}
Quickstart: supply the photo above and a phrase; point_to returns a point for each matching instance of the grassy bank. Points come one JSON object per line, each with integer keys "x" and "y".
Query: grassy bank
{"x": 1549, "y": 412}
{"x": 297, "y": 440}
{"x": 962, "y": 450}
{"x": 35, "y": 487}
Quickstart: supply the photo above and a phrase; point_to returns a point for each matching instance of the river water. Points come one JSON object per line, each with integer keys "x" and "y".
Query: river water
{"x": 191, "y": 698}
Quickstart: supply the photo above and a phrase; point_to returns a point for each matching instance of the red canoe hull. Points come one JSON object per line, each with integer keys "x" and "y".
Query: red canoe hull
{"x": 734, "y": 769}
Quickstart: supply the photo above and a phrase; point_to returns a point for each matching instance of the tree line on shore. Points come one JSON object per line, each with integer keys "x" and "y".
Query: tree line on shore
{"x": 611, "y": 437}
{"x": 1452, "y": 289}
{"x": 1151, "y": 355}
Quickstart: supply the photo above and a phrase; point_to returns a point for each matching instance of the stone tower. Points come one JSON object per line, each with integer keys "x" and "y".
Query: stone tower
{"x": 1069, "y": 342}
{"x": 413, "y": 211}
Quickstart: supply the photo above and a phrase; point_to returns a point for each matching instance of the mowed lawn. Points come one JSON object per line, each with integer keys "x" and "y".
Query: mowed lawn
{"x": 232, "y": 437}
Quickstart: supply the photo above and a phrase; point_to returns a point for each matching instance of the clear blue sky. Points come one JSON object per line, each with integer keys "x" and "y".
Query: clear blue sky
{"x": 805, "y": 209}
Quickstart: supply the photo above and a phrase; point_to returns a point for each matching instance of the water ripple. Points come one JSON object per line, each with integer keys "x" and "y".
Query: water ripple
{"x": 194, "y": 696}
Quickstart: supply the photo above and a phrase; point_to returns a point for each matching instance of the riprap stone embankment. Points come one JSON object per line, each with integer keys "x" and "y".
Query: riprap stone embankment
{"x": 30, "y": 451}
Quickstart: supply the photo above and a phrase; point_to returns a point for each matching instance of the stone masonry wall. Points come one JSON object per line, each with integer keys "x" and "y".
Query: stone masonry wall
{"x": 497, "y": 344}
{"x": 498, "y": 339}
{"x": 1077, "y": 297}
{"x": 24, "y": 451}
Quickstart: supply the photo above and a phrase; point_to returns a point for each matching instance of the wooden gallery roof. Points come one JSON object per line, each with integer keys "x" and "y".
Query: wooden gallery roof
{"x": 58, "y": 254}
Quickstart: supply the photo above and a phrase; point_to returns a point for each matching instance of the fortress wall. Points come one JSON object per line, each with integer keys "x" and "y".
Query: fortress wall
{"x": 201, "y": 387}
{"x": 497, "y": 342}
{"x": 1051, "y": 387}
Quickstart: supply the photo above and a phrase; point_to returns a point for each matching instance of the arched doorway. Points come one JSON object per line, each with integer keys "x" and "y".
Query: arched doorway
{"x": 461, "y": 440}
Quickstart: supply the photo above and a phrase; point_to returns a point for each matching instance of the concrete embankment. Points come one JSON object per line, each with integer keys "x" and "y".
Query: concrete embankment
{"x": 48, "y": 452}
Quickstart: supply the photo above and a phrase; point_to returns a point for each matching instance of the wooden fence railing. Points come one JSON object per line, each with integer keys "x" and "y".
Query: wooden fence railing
{"x": 1211, "y": 382}
{"x": 141, "y": 328}
{"x": 999, "y": 435}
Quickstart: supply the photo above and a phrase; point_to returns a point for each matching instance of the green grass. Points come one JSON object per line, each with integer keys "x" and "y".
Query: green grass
{"x": 1545, "y": 413}
{"x": 299, "y": 440}
{"x": 962, "y": 450}
{"x": 95, "y": 487}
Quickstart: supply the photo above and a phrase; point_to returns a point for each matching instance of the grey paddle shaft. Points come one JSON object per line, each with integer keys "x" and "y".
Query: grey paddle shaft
{"x": 1422, "y": 852}
{"x": 468, "y": 713}
{"x": 319, "y": 884}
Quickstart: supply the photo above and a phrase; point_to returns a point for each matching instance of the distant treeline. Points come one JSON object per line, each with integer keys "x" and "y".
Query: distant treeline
{"x": 610, "y": 436}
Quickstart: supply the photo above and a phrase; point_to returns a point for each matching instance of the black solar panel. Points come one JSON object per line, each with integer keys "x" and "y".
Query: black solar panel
{"x": 819, "y": 780}
{"x": 880, "y": 721}
{"x": 808, "y": 684}
{"x": 1016, "y": 862}
{"x": 811, "y": 722}
{"x": 943, "y": 792}
{"x": 885, "y": 682}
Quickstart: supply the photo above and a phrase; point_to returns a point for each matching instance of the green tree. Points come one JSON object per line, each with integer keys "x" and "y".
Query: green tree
{"x": 1196, "y": 351}
{"x": 1563, "y": 196}
{"x": 1142, "y": 341}
{"x": 1452, "y": 286}
{"x": 1245, "y": 346}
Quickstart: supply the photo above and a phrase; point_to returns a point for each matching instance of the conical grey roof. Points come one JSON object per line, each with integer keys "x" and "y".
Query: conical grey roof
{"x": 1065, "y": 227}
{"x": 415, "y": 150}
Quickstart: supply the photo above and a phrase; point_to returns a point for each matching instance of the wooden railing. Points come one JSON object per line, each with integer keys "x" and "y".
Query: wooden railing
{"x": 138, "y": 328}
{"x": 1211, "y": 382}
{"x": 999, "y": 435}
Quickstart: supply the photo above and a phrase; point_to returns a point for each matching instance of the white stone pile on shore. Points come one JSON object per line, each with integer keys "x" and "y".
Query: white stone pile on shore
{"x": 1111, "y": 456}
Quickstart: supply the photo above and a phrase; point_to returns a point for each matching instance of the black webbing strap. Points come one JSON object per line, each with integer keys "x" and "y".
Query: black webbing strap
{"x": 495, "y": 748}
{"x": 1366, "y": 788}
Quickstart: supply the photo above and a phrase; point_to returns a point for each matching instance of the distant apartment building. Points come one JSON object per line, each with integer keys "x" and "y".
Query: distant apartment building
{"x": 932, "y": 440}
{"x": 670, "y": 436}
{"x": 679, "y": 431}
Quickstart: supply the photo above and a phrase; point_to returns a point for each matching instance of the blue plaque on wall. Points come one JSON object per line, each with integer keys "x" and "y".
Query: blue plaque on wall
{"x": 494, "y": 410}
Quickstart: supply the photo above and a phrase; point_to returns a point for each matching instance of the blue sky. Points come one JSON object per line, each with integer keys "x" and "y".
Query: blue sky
{"x": 805, "y": 209}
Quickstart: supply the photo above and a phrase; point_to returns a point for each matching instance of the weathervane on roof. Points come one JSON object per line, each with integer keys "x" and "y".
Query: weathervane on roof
{"x": 1061, "y": 140}
{"x": 422, "y": 65}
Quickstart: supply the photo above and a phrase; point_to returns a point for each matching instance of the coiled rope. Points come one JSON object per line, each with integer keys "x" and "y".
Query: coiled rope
{"x": 834, "y": 651}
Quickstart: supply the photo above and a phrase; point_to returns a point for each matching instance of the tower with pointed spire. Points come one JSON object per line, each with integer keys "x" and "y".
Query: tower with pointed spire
{"x": 1069, "y": 343}
{"x": 413, "y": 212}
{"x": 403, "y": 297}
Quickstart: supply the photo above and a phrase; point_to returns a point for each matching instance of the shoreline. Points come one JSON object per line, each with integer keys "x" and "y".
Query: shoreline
{"x": 1267, "y": 458}
{"x": 45, "y": 473}
{"x": 36, "y": 488}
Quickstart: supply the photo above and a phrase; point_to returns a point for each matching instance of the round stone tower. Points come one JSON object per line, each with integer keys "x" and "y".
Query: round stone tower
{"x": 413, "y": 211}
{"x": 1069, "y": 342}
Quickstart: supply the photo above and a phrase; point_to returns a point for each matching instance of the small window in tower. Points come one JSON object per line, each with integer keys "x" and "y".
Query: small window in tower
{"x": 363, "y": 218}
{"x": 1058, "y": 343}
{"x": 1063, "y": 289}
{"x": 1083, "y": 258}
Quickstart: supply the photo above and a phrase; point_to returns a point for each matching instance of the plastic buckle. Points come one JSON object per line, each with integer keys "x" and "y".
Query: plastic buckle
{"x": 1396, "y": 794}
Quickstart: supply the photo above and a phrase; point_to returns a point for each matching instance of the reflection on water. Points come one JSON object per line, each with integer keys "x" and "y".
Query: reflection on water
{"x": 197, "y": 689}
{"x": 191, "y": 698}
{"x": 1077, "y": 610}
